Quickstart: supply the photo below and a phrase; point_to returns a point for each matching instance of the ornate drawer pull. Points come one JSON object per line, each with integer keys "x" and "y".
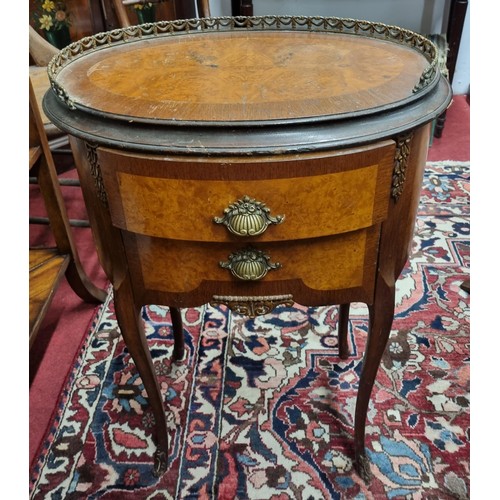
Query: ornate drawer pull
{"x": 249, "y": 264}
{"x": 252, "y": 306}
{"x": 248, "y": 217}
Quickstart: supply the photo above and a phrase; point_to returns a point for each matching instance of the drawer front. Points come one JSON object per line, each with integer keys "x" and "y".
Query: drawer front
{"x": 306, "y": 196}
{"x": 339, "y": 262}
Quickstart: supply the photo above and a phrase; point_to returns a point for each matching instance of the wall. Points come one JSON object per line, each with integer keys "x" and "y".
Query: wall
{"x": 423, "y": 16}
{"x": 461, "y": 79}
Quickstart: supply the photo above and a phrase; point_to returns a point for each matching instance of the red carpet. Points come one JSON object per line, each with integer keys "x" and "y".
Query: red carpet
{"x": 58, "y": 341}
{"x": 455, "y": 141}
{"x": 62, "y": 335}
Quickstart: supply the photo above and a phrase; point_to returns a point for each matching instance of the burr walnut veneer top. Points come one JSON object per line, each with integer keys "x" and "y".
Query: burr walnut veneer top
{"x": 243, "y": 76}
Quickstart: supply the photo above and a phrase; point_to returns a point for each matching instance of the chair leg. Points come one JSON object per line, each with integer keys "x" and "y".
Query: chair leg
{"x": 132, "y": 330}
{"x": 82, "y": 285}
{"x": 59, "y": 221}
{"x": 343, "y": 330}
{"x": 381, "y": 315}
{"x": 178, "y": 353}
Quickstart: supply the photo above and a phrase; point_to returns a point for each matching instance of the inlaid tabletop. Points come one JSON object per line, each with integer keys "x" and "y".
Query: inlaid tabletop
{"x": 243, "y": 75}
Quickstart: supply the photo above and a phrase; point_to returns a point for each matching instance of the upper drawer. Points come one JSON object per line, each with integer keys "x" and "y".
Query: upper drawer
{"x": 310, "y": 195}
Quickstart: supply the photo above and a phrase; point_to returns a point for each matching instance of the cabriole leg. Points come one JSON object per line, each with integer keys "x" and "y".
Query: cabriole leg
{"x": 343, "y": 330}
{"x": 381, "y": 315}
{"x": 178, "y": 353}
{"x": 132, "y": 330}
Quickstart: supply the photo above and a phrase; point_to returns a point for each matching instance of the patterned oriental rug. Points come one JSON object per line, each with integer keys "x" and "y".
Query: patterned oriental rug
{"x": 264, "y": 408}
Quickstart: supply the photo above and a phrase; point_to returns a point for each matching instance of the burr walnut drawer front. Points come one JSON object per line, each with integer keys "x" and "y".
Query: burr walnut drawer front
{"x": 264, "y": 199}
{"x": 339, "y": 262}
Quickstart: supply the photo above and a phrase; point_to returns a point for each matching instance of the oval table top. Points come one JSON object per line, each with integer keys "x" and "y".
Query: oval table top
{"x": 320, "y": 82}
{"x": 244, "y": 76}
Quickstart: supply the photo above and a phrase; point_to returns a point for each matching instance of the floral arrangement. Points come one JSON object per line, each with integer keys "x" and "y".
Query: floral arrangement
{"x": 51, "y": 15}
{"x": 145, "y": 12}
{"x": 145, "y": 5}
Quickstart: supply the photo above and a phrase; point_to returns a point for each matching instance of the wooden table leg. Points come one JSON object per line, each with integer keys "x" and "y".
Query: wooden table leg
{"x": 343, "y": 330}
{"x": 176, "y": 317}
{"x": 381, "y": 315}
{"x": 132, "y": 330}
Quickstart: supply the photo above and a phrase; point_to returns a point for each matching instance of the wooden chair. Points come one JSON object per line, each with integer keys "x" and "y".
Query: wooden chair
{"x": 166, "y": 10}
{"x": 41, "y": 52}
{"x": 242, "y": 7}
{"x": 47, "y": 266}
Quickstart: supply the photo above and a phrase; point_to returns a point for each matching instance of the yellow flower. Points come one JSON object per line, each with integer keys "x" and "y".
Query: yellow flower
{"x": 46, "y": 22}
{"x": 48, "y": 5}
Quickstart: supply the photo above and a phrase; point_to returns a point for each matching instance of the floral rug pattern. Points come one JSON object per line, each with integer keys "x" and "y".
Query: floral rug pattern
{"x": 264, "y": 408}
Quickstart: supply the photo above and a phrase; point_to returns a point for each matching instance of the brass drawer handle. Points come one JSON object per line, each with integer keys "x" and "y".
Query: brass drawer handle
{"x": 249, "y": 264}
{"x": 252, "y": 306}
{"x": 248, "y": 217}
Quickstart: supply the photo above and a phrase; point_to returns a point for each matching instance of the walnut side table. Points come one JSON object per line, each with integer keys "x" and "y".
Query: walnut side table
{"x": 250, "y": 162}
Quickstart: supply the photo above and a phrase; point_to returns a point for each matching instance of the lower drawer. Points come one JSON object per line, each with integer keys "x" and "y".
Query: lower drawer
{"x": 171, "y": 269}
